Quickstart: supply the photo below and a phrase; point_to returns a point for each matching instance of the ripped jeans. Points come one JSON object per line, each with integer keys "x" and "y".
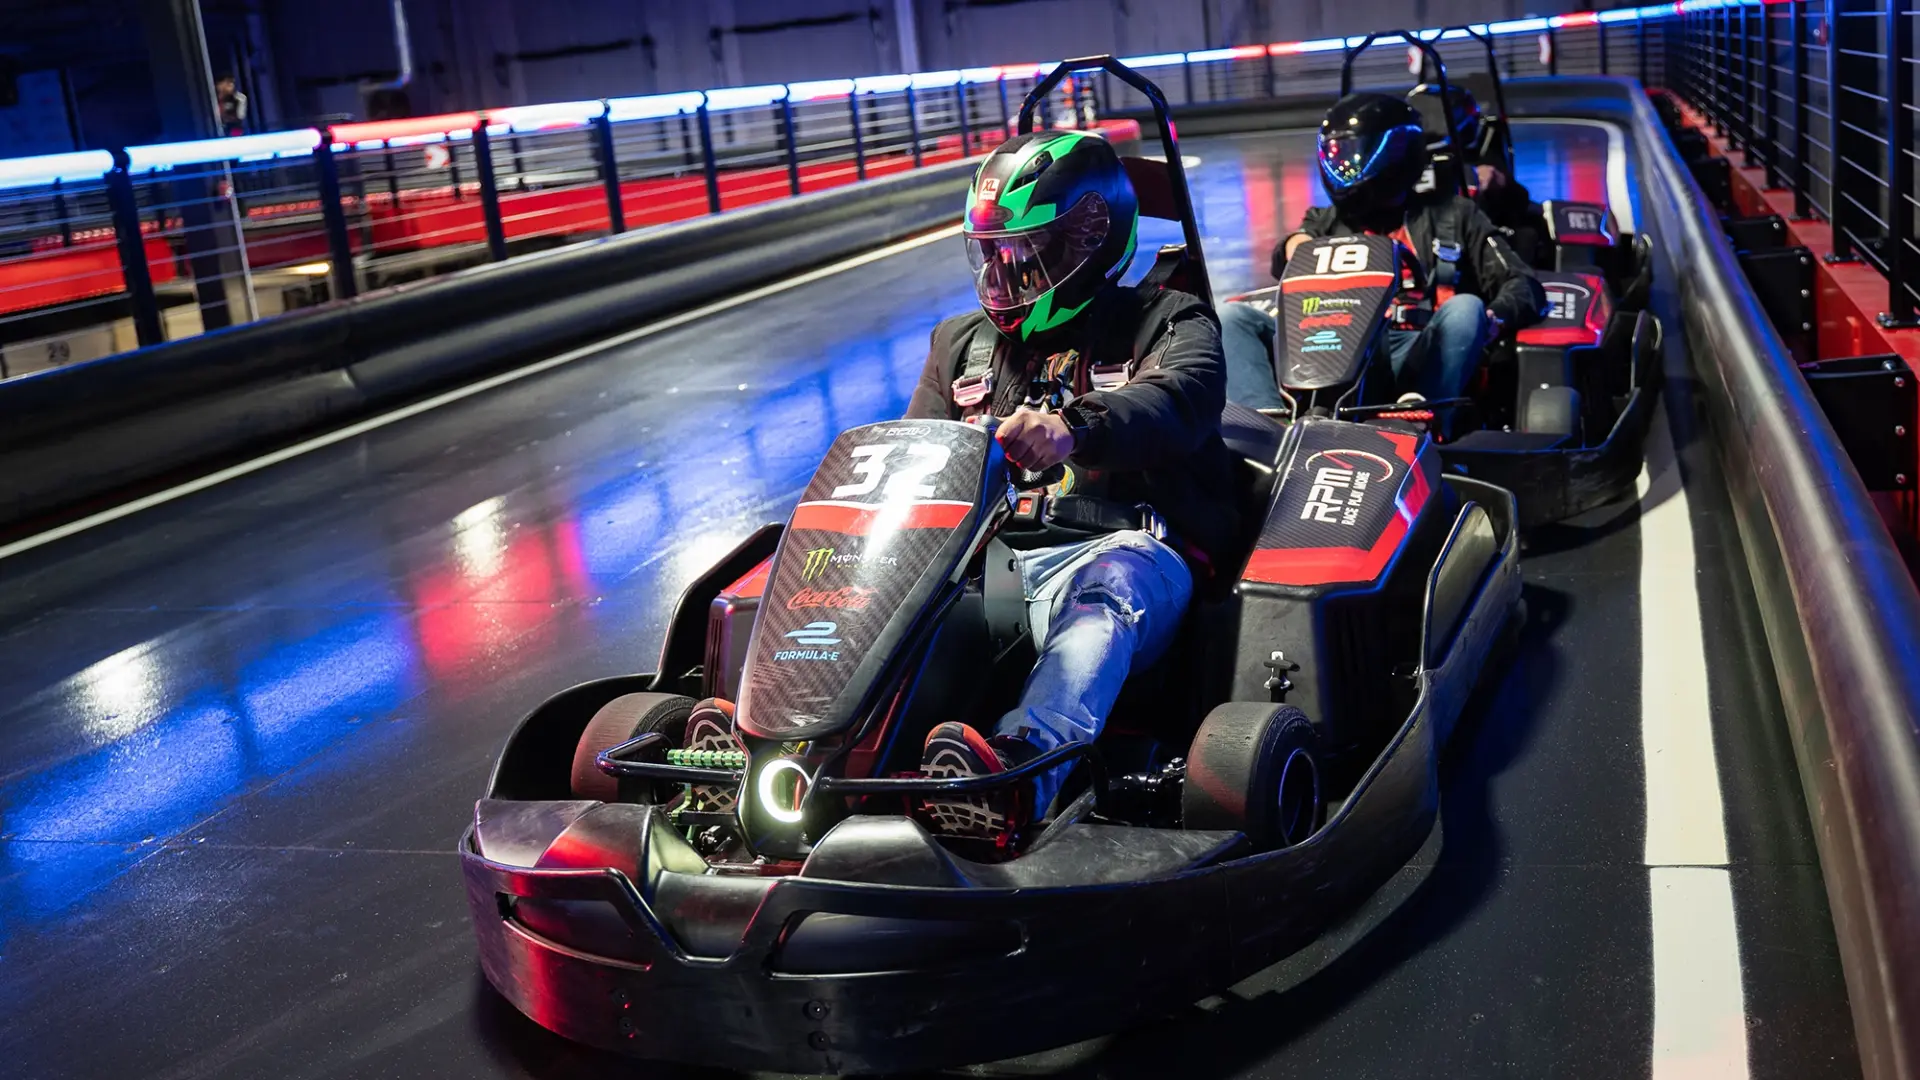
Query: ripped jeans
{"x": 1096, "y": 609}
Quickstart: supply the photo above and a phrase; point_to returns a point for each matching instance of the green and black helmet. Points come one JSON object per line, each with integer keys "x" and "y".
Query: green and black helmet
{"x": 1051, "y": 218}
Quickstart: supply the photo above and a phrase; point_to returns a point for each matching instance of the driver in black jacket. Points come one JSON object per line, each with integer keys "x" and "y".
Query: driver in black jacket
{"x": 1372, "y": 151}
{"x": 1146, "y": 502}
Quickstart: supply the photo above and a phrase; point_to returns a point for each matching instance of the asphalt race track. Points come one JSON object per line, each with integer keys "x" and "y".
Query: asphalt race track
{"x": 241, "y": 732}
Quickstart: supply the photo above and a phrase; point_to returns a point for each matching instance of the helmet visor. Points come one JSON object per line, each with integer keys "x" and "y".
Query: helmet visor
{"x": 1347, "y": 158}
{"x": 1014, "y": 269}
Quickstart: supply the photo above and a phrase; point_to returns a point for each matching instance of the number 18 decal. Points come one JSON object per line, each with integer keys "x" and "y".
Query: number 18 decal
{"x": 910, "y": 479}
{"x": 1340, "y": 259}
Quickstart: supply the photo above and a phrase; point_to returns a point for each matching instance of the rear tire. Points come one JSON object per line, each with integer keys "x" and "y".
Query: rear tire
{"x": 1256, "y": 768}
{"x": 626, "y": 717}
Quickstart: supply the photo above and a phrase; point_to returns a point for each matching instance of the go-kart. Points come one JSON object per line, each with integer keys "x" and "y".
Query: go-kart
{"x": 1584, "y": 246}
{"x": 1557, "y": 415}
{"x": 776, "y": 899}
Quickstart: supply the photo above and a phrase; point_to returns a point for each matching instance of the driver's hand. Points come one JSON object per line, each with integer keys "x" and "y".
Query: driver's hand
{"x": 1036, "y": 440}
{"x": 1294, "y": 242}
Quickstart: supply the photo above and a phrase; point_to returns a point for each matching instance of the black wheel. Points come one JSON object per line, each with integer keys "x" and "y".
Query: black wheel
{"x": 1552, "y": 410}
{"x": 1256, "y": 768}
{"x": 625, "y": 717}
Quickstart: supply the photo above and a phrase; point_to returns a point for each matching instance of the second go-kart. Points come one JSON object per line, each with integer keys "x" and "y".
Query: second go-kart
{"x": 1560, "y": 410}
{"x": 726, "y": 861}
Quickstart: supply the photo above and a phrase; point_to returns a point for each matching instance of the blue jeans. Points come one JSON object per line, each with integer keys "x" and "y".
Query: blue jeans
{"x": 1247, "y": 335}
{"x": 1097, "y": 609}
{"x": 1437, "y": 361}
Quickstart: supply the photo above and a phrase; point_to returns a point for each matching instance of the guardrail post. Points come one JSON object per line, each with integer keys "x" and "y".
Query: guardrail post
{"x": 1902, "y": 311}
{"x": 708, "y": 163}
{"x": 609, "y": 172}
{"x": 1186, "y": 74}
{"x": 1273, "y": 74}
{"x": 1553, "y": 52}
{"x": 913, "y": 125}
{"x": 60, "y": 212}
{"x": 1640, "y": 47}
{"x": 859, "y": 142}
{"x": 1006, "y": 130}
{"x": 960, "y": 113}
{"x": 1802, "y": 174}
{"x": 1838, "y": 108}
{"x": 489, "y": 193}
{"x": 788, "y": 137}
{"x": 341, "y": 278}
{"x": 1601, "y": 29}
{"x": 133, "y": 252}
{"x": 1769, "y": 112}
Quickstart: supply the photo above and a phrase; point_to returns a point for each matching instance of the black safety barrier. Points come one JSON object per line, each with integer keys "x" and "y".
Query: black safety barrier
{"x": 77, "y": 432}
{"x": 1838, "y": 606}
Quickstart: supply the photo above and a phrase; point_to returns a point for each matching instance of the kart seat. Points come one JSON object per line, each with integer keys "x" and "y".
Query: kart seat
{"x": 1153, "y": 187}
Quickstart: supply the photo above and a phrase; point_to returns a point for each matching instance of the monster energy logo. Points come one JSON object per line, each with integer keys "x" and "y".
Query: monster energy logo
{"x": 816, "y": 563}
{"x": 1311, "y": 305}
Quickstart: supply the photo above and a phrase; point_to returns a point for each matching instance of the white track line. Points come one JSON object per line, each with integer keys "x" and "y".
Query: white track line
{"x": 1619, "y": 195}
{"x": 372, "y": 423}
{"x": 1699, "y": 1002}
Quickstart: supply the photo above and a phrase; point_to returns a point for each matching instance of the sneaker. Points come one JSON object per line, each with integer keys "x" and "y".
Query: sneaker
{"x": 1411, "y": 400}
{"x": 711, "y": 728}
{"x": 956, "y": 750}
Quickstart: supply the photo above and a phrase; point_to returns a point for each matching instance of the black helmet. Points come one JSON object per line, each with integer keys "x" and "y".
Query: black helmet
{"x": 1051, "y": 217}
{"x": 1469, "y": 124}
{"x": 1372, "y": 152}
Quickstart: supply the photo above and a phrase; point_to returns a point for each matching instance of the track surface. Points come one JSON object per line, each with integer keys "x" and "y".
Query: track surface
{"x": 240, "y": 733}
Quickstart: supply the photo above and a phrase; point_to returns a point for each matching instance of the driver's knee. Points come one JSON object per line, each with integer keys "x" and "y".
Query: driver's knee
{"x": 1246, "y": 336}
{"x": 1140, "y": 582}
{"x": 1461, "y": 319}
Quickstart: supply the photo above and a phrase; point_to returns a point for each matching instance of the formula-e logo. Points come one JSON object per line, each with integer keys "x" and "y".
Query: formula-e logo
{"x": 817, "y": 637}
{"x": 1321, "y": 341}
{"x": 1340, "y": 484}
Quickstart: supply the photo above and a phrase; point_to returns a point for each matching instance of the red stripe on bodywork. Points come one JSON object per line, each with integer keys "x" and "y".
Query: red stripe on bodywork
{"x": 753, "y": 583}
{"x": 1359, "y": 279}
{"x": 858, "y": 520}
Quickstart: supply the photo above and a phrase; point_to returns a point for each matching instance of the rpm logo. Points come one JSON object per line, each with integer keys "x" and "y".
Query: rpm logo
{"x": 1341, "y": 479}
{"x": 1566, "y": 300}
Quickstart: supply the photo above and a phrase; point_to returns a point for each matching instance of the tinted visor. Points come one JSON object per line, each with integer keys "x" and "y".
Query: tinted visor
{"x": 1348, "y": 158}
{"x": 1014, "y": 269}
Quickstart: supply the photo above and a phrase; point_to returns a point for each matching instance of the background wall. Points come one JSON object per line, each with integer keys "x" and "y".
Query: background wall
{"x": 302, "y": 61}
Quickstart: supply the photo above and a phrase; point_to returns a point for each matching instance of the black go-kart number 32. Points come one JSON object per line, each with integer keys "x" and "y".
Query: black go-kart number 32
{"x": 881, "y": 523}
{"x": 1334, "y": 296}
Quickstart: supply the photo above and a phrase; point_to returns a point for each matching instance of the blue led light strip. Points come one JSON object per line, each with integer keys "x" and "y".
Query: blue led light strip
{"x": 87, "y": 166}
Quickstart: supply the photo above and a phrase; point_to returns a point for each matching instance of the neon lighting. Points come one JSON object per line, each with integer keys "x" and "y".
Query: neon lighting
{"x": 560, "y": 114}
{"x": 979, "y": 75}
{"x": 372, "y": 144}
{"x": 653, "y": 106}
{"x": 413, "y": 125}
{"x": 744, "y": 97}
{"x": 54, "y": 168}
{"x": 764, "y": 788}
{"x": 1204, "y": 55}
{"x": 934, "y": 80}
{"x": 1314, "y": 46}
{"x": 882, "y": 84}
{"x": 1578, "y": 18}
{"x": 1519, "y": 26}
{"x": 827, "y": 88}
{"x": 206, "y": 151}
{"x": 428, "y": 139}
{"x": 1620, "y": 15}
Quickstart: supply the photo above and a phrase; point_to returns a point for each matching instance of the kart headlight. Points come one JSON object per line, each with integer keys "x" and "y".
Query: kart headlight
{"x": 781, "y": 788}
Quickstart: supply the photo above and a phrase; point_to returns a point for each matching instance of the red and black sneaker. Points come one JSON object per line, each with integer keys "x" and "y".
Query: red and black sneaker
{"x": 956, "y": 750}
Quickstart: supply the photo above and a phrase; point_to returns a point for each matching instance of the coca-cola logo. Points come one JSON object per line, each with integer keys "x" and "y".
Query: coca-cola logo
{"x": 846, "y": 598}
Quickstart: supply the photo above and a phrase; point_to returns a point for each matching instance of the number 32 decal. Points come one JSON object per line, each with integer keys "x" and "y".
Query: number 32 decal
{"x": 910, "y": 479}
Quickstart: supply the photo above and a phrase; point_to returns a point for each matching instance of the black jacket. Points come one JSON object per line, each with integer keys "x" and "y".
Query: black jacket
{"x": 1155, "y": 439}
{"x": 1511, "y": 208}
{"x": 1489, "y": 268}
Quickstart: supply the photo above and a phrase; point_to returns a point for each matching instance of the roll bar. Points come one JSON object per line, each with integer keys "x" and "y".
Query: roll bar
{"x": 1163, "y": 119}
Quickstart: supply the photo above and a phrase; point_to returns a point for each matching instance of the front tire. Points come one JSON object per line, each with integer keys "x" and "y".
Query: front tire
{"x": 628, "y": 716}
{"x": 1256, "y": 768}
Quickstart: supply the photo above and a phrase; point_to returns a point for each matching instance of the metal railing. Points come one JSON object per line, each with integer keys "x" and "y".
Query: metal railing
{"x": 105, "y": 251}
{"x": 1821, "y": 95}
